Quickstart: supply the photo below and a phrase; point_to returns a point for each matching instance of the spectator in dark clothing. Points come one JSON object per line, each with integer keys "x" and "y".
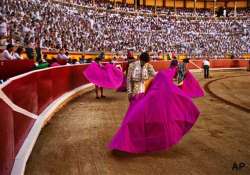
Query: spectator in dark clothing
{"x": 38, "y": 52}
{"x": 174, "y": 62}
{"x": 18, "y": 53}
{"x": 30, "y": 52}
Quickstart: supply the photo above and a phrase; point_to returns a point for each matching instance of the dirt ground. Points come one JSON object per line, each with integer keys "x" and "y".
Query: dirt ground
{"x": 74, "y": 142}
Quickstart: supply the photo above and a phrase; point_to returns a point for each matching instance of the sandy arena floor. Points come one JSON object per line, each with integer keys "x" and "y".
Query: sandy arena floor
{"x": 74, "y": 142}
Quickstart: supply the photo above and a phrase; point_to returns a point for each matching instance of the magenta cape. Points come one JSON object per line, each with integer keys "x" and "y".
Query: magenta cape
{"x": 107, "y": 76}
{"x": 156, "y": 120}
{"x": 55, "y": 64}
{"x": 191, "y": 86}
{"x": 123, "y": 86}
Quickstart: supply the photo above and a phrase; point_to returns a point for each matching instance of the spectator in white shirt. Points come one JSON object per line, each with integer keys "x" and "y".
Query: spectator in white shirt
{"x": 8, "y": 53}
{"x": 18, "y": 53}
{"x": 224, "y": 12}
{"x": 61, "y": 55}
{"x": 3, "y": 27}
{"x": 206, "y": 65}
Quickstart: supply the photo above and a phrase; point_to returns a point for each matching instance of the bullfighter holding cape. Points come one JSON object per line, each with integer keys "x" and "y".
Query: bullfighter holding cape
{"x": 103, "y": 76}
{"x": 157, "y": 117}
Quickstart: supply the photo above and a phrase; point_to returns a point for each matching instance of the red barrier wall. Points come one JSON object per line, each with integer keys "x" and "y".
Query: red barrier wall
{"x": 7, "y": 153}
{"x": 33, "y": 92}
{"x": 14, "y": 128}
{"x": 12, "y": 68}
{"x": 220, "y": 63}
{"x": 228, "y": 63}
{"x": 160, "y": 65}
{"x": 22, "y": 126}
{"x": 15, "y": 67}
{"x": 37, "y": 90}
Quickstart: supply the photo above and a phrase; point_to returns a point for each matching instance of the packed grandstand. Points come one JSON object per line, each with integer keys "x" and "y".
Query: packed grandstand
{"x": 84, "y": 27}
{"x": 152, "y": 60}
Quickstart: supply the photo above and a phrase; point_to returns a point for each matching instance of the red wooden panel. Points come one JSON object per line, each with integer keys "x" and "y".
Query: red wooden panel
{"x": 7, "y": 154}
{"x": 160, "y": 65}
{"x": 22, "y": 126}
{"x": 44, "y": 90}
{"x": 77, "y": 77}
{"x": 61, "y": 77}
{"x": 15, "y": 67}
{"x": 23, "y": 92}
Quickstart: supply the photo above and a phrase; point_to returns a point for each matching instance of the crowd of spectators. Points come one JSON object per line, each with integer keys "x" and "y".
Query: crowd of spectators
{"x": 106, "y": 4}
{"x": 54, "y": 26}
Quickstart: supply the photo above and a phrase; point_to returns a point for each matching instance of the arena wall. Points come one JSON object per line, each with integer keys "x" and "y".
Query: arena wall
{"x": 26, "y": 103}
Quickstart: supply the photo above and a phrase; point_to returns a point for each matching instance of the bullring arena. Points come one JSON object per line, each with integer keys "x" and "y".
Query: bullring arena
{"x": 76, "y": 128}
{"x": 159, "y": 112}
{"x": 74, "y": 141}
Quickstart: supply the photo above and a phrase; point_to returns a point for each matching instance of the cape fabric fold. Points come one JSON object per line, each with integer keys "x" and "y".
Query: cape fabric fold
{"x": 157, "y": 119}
{"x": 123, "y": 86}
{"x": 107, "y": 76}
{"x": 191, "y": 86}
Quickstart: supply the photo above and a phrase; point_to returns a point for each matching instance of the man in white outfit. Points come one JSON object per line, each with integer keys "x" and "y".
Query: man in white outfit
{"x": 8, "y": 53}
{"x": 206, "y": 65}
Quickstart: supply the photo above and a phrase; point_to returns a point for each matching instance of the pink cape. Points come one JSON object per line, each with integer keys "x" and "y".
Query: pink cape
{"x": 191, "y": 86}
{"x": 123, "y": 86}
{"x": 107, "y": 76}
{"x": 55, "y": 64}
{"x": 156, "y": 120}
